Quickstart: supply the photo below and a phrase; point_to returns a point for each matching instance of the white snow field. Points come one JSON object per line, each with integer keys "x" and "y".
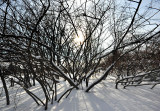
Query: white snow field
{"x": 103, "y": 97}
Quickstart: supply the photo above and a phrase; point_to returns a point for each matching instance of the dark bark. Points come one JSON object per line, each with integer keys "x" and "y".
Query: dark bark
{"x": 5, "y": 88}
{"x": 101, "y": 78}
{"x": 55, "y": 85}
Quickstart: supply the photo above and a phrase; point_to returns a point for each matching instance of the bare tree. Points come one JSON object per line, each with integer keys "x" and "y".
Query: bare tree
{"x": 45, "y": 41}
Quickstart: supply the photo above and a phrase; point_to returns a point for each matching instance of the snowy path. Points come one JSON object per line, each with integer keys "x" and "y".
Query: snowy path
{"x": 104, "y": 97}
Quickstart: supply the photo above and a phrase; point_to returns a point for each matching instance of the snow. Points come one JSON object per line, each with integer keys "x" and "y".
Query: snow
{"x": 4, "y": 64}
{"x": 103, "y": 97}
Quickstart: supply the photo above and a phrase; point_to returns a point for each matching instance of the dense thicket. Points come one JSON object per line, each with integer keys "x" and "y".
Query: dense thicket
{"x": 44, "y": 41}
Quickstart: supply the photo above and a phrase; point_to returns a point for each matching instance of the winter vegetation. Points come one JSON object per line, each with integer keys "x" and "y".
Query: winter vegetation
{"x": 95, "y": 53}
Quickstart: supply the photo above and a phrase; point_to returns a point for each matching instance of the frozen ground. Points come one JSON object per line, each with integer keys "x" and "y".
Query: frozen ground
{"x": 104, "y": 97}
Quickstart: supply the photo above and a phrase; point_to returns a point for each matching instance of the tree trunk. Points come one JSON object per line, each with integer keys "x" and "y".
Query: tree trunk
{"x": 5, "y": 88}
{"x": 101, "y": 78}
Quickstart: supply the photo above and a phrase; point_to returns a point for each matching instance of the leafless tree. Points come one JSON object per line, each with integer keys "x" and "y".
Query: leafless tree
{"x": 38, "y": 40}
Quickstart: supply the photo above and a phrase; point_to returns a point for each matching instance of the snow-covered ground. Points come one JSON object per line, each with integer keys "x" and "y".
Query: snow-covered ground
{"x": 103, "y": 97}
